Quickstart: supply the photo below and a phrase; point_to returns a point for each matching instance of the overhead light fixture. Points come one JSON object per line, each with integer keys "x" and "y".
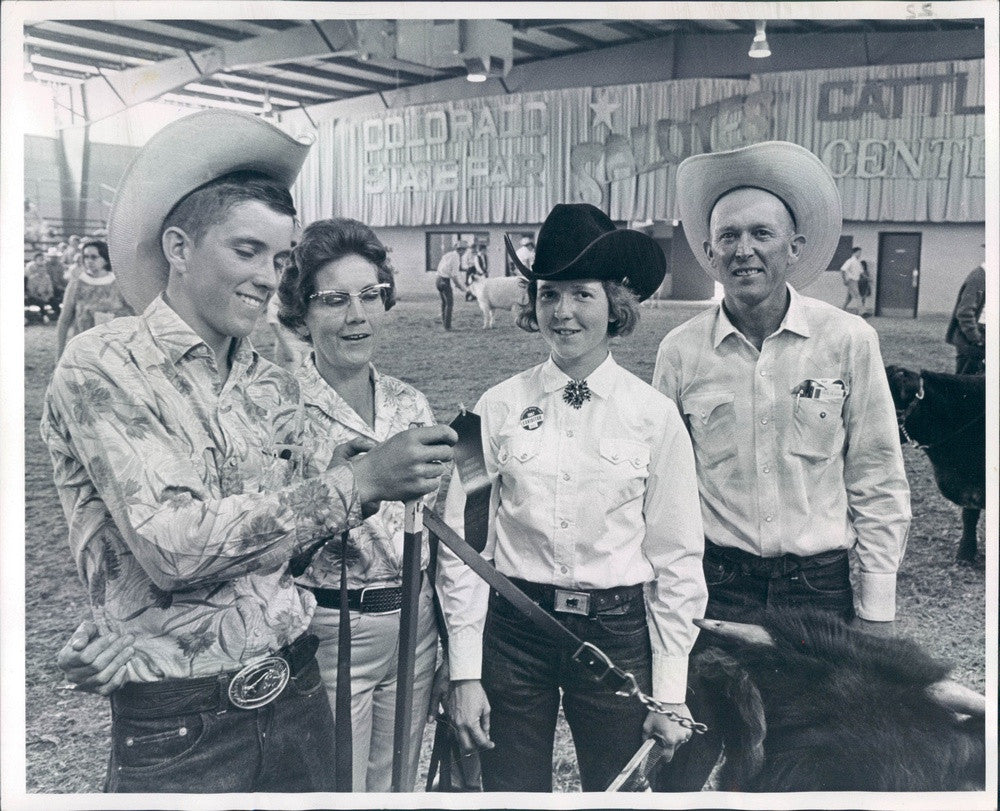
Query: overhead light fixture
{"x": 266, "y": 107}
{"x": 29, "y": 66}
{"x": 478, "y": 68}
{"x": 759, "y": 49}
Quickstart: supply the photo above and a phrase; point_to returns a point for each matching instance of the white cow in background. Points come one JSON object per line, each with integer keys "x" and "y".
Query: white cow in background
{"x": 498, "y": 293}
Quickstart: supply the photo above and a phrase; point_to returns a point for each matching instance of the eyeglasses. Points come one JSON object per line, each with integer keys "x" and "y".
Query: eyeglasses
{"x": 338, "y": 299}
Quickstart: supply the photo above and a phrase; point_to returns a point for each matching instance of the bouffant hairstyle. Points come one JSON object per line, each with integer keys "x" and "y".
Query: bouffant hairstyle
{"x": 623, "y": 309}
{"x": 322, "y": 242}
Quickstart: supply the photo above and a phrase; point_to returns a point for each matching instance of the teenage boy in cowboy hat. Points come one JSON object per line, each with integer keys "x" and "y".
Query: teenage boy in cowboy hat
{"x": 799, "y": 465}
{"x": 593, "y": 514}
{"x": 187, "y": 475}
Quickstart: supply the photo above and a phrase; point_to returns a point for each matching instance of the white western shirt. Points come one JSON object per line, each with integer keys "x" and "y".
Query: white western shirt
{"x": 589, "y": 498}
{"x": 780, "y": 473}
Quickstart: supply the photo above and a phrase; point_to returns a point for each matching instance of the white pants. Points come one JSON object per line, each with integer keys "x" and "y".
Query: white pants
{"x": 374, "y": 660}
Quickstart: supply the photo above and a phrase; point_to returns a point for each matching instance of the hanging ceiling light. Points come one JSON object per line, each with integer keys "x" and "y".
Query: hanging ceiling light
{"x": 267, "y": 107}
{"x": 759, "y": 49}
{"x": 29, "y": 67}
{"x": 478, "y": 68}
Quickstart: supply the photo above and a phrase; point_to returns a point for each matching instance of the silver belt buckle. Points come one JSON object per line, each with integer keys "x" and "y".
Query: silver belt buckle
{"x": 259, "y": 683}
{"x": 361, "y": 602}
{"x": 571, "y": 602}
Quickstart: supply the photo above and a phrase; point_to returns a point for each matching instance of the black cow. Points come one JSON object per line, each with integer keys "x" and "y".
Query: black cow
{"x": 945, "y": 416}
{"x": 804, "y": 702}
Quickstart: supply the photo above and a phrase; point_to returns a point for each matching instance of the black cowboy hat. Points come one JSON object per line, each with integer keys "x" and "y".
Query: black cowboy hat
{"x": 579, "y": 241}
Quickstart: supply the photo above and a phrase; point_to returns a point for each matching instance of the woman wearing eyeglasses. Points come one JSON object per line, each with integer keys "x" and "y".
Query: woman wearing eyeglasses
{"x": 335, "y": 294}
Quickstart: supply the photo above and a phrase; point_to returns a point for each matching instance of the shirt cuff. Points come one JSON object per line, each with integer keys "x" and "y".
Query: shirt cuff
{"x": 465, "y": 654}
{"x": 875, "y": 598}
{"x": 670, "y": 678}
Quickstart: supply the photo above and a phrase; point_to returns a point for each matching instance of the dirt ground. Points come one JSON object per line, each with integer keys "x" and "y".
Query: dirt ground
{"x": 940, "y": 605}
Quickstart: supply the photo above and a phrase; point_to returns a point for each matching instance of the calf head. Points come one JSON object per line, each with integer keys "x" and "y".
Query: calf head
{"x": 824, "y": 707}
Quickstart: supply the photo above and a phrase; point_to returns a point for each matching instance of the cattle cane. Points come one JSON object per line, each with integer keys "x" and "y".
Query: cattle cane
{"x": 401, "y": 745}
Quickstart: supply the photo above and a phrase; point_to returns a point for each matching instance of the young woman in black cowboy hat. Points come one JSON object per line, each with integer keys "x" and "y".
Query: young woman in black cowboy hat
{"x": 594, "y": 514}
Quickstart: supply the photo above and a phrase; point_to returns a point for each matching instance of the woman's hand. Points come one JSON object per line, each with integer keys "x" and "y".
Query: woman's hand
{"x": 470, "y": 715}
{"x": 670, "y": 734}
{"x": 93, "y": 663}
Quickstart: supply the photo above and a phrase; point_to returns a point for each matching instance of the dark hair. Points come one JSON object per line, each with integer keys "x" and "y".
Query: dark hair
{"x": 623, "y": 309}
{"x": 102, "y": 249}
{"x": 856, "y": 249}
{"x": 322, "y": 242}
{"x": 778, "y": 197}
{"x": 208, "y": 205}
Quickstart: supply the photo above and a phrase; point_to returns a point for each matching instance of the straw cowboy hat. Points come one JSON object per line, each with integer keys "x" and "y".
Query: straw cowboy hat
{"x": 579, "y": 241}
{"x": 177, "y": 160}
{"x": 788, "y": 171}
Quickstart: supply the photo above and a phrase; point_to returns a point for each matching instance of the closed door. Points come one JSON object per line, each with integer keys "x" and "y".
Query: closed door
{"x": 898, "y": 280}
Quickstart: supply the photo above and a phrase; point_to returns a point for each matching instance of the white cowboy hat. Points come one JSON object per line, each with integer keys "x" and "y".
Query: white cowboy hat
{"x": 177, "y": 160}
{"x": 788, "y": 171}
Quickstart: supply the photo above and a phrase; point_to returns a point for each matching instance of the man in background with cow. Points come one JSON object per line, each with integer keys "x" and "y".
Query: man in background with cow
{"x": 189, "y": 476}
{"x": 449, "y": 272}
{"x": 804, "y": 496}
{"x": 966, "y": 330}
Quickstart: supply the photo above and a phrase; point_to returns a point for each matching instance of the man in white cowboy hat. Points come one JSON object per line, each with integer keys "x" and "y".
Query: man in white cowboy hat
{"x": 187, "y": 475}
{"x": 800, "y": 472}
{"x": 449, "y": 272}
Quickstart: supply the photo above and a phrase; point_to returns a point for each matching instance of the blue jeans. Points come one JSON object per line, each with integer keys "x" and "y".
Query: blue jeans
{"x": 286, "y": 745}
{"x": 524, "y": 670}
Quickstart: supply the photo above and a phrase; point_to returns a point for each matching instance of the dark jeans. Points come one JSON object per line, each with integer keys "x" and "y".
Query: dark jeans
{"x": 971, "y": 359}
{"x": 524, "y": 670}
{"x": 741, "y": 584}
{"x": 447, "y": 300}
{"x": 286, "y": 745}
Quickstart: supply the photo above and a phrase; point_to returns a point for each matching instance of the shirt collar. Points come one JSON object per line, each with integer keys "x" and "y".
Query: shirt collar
{"x": 600, "y": 381}
{"x": 795, "y": 319}
{"x": 316, "y": 392}
{"x": 175, "y": 338}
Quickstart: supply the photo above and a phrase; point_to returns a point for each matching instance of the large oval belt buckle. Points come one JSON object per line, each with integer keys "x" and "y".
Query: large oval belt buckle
{"x": 259, "y": 683}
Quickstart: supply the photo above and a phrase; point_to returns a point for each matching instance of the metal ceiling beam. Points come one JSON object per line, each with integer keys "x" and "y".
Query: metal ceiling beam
{"x": 581, "y": 40}
{"x": 157, "y": 40}
{"x": 206, "y": 29}
{"x": 33, "y": 32}
{"x": 403, "y": 76}
{"x": 110, "y": 94}
{"x": 532, "y": 49}
{"x": 630, "y": 29}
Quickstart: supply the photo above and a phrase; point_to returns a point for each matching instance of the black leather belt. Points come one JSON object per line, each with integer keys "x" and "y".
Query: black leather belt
{"x": 779, "y": 566}
{"x": 369, "y": 600}
{"x": 251, "y": 687}
{"x": 585, "y": 602}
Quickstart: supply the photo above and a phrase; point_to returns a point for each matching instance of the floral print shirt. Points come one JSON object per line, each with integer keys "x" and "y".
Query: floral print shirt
{"x": 185, "y": 497}
{"x": 375, "y": 548}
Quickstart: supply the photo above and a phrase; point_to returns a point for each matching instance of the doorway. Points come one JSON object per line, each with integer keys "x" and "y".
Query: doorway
{"x": 898, "y": 282}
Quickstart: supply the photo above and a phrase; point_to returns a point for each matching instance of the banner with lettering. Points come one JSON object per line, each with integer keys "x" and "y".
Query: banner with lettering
{"x": 905, "y": 143}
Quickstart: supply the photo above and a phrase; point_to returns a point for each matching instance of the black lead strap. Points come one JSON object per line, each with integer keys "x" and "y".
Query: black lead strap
{"x": 343, "y": 734}
{"x": 586, "y": 654}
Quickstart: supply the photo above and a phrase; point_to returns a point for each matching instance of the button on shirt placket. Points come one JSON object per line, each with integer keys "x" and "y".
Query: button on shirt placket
{"x": 565, "y": 492}
{"x": 768, "y": 495}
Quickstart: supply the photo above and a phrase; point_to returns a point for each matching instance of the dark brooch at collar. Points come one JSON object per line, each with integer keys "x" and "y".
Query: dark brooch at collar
{"x": 576, "y": 393}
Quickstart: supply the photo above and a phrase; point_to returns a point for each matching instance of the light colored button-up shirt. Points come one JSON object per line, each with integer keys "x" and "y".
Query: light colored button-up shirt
{"x": 450, "y": 267}
{"x": 852, "y": 269}
{"x": 375, "y": 548}
{"x": 780, "y": 472}
{"x": 589, "y": 498}
{"x": 186, "y": 498}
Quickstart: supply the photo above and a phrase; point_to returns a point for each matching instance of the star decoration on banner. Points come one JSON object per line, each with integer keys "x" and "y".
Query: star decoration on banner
{"x": 603, "y": 108}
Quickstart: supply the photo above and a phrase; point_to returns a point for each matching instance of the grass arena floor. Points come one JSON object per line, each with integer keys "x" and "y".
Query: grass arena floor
{"x": 67, "y": 735}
